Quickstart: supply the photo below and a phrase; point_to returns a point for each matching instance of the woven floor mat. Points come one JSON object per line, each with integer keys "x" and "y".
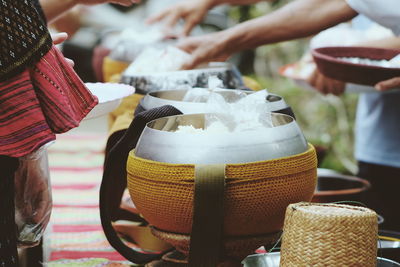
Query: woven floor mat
{"x": 74, "y": 236}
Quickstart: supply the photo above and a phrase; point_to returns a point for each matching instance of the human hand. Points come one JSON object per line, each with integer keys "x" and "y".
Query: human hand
{"x": 119, "y": 2}
{"x": 58, "y": 38}
{"x": 192, "y": 11}
{"x": 205, "y": 48}
{"x": 388, "y": 84}
{"x": 32, "y": 190}
{"x": 326, "y": 85}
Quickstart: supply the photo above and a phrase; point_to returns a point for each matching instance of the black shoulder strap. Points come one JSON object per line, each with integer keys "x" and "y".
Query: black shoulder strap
{"x": 114, "y": 180}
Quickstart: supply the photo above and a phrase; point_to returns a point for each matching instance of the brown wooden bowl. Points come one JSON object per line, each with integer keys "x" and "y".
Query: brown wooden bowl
{"x": 329, "y": 64}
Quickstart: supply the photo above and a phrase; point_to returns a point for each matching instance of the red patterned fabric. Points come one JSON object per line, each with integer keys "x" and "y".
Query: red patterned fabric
{"x": 45, "y": 99}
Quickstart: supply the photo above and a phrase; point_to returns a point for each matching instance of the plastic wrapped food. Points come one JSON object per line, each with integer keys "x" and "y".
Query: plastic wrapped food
{"x": 33, "y": 201}
{"x": 131, "y": 42}
{"x": 184, "y": 79}
{"x": 158, "y": 60}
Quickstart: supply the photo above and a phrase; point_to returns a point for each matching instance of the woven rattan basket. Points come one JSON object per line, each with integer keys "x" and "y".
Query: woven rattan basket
{"x": 329, "y": 235}
{"x": 256, "y": 194}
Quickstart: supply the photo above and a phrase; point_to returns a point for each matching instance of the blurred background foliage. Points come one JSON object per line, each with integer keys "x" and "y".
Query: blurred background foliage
{"x": 327, "y": 121}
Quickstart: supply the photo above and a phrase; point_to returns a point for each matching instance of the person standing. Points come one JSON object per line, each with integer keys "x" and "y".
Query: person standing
{"x": 40, "y": 96}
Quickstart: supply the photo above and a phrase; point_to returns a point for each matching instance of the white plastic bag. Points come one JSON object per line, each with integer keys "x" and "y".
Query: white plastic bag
{"x": 158, "y": 60}
{"x": 247, "y": 111}
{"x": 33, "y": 201}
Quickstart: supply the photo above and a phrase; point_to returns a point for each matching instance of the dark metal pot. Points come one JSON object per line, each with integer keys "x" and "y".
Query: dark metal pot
{"x": 332, "y": 187}
{"x": 273, "y": 259}
{"x": 389, "y": 245}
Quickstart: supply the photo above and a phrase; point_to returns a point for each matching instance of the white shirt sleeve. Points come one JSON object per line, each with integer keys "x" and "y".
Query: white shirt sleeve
{"x": 384, "y": 12}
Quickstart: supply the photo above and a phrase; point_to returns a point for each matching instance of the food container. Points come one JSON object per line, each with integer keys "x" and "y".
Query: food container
{"x": 149, "y": 82}
{"x": 262, "y": 174}
{"x": 159, "y": 141}
{"x": 272, "y": 260}
{"x": 262, "y": 260}
{"x": 299, "y": 73}
{"x": 329, "y": 63}
{"x": 329, "y": 234}
{"x": 389, "y": 244}
{"x": 332, "y": 187}
{"x": 175, "y": 98}
{"x": 109, "y": 95}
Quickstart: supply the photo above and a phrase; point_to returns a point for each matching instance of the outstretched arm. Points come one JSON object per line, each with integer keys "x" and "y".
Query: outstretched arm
{"x": 54, "y": 8}
{"x": 297, "y": 19}
{"x": 192, "y": 11}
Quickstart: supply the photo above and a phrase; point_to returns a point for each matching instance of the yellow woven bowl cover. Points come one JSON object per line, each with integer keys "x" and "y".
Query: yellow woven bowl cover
{"x": 256, "y": 193}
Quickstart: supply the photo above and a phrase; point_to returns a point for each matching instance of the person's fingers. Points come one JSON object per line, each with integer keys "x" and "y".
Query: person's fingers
{"x": 195, "y": 59}
{"x": 171, "y": 21}
{"x": 388, "y": 84}
{"x": 200, "y": 55}
{"x": 332, "y": 88}
{"x": 189, "y": 24}
{"x": 312, "y": 79}
{"x": 70, "y": 62}
{"x": 325, "y": 85}
{"x": 42, "y": 203}
{"x": 319, "y": 84}
{"x": 58, "y": 38}
{"x": 189, "y": 64}
{"x": 188, "y": 44}
{"x": 203, "y": 49}
{"x": 337, "y": 87}
{"x": 122, "y": 2}
{"x": 96, "y": 2}
{"x": 329, "y": 86}
{"x": 157, "y": 17}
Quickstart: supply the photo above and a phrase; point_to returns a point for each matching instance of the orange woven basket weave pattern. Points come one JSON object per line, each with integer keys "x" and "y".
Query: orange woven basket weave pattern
{"x": 329, "y": 235}
{"x": 256, "y": 194}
